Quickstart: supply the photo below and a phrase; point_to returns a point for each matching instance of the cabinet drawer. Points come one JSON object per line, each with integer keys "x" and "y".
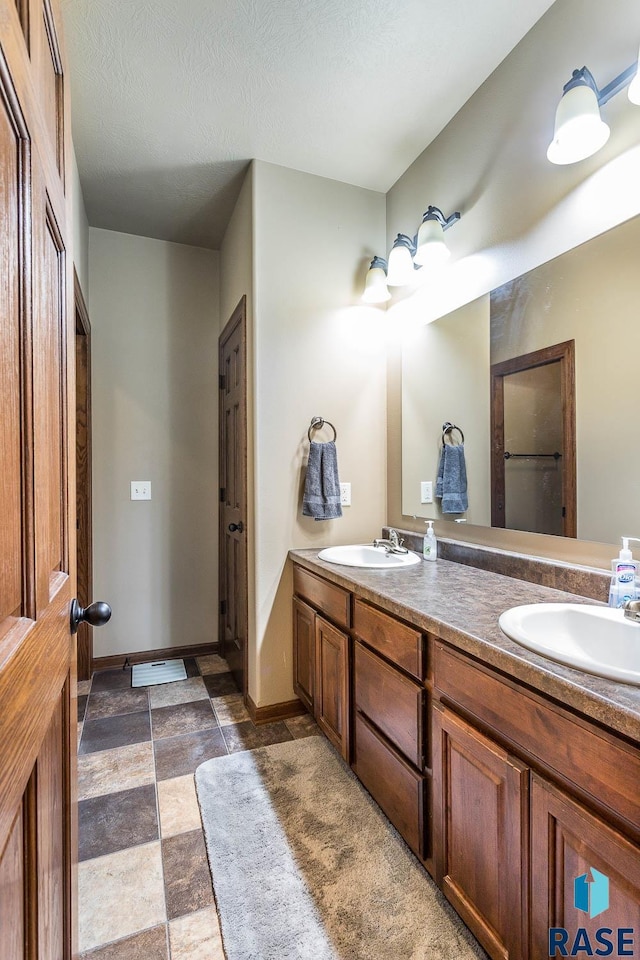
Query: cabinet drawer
{"x": 597, "y": 763}
{"x": 394, "y": 640}
{"x": 398, "y": 789}
{"x": 391, "y": 701}
{"x": 333, "y": 601}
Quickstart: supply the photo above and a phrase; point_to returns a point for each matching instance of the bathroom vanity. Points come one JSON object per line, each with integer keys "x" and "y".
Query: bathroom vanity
{"x": 506, "y": 774}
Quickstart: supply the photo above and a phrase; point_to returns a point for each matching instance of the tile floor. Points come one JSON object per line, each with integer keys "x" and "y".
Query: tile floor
{"x": 144, "y": 884}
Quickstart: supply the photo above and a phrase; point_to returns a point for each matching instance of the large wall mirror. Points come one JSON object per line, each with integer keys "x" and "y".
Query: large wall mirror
{"x": 542, "y": 376}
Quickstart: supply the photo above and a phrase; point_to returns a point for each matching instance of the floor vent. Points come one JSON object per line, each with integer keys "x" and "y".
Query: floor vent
{"x": 158, "y": 671}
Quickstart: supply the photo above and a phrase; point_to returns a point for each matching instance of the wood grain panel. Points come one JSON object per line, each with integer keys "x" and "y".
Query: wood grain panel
{"x": 392, "y": 783}
{"x": 480, "y": 796}
{"x": 391, "y": 701}
{"x": 334, "y": 602}
{"x": 331, "y": 700}
{"x": 11, "y": 533}
{"x": 395, "y": 640}
{"x": 567, "y": 841}
{"x": 12, "y": 894}
{"x": 304, "y": 652}
{"x": 52, "y": 84}
{"x": 603, "y": 767}
{"x": 51, "y": 839}
{"x": 48, "y": 388}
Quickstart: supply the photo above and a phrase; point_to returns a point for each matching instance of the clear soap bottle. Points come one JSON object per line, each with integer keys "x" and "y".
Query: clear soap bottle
{"x": 429, "y": 543}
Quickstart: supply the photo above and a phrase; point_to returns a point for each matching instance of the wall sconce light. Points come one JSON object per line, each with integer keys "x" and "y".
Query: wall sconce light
{"x": 409, "y": 254}
{"x": 400, "y": 271}
{"x": 375, "y": 285}
{"x": 430, "y": 243}
{"x": 579, "y": 129}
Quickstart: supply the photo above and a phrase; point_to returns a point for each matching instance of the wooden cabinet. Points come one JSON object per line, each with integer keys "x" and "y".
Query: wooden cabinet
{"x": 480, "y": 830}
{"x": 332, "y": 684}
{"x": 505, "y": 795}
{"x": 304, "y": 652}
{"x": 568, "y": 842}
{"x": 321, "y": 660}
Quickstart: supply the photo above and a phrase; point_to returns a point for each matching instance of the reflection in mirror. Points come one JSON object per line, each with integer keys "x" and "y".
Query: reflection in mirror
{"x": 589, "y": 295}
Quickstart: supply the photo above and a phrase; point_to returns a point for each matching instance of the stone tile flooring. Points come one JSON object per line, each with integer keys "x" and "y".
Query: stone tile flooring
{"x": 144, "y": 883}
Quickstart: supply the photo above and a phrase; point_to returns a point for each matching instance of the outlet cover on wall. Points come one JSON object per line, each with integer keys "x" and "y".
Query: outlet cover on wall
{"x": 345, "y": 494}
{"x": 426, "y": 491}
{"x": 141, "y": 489}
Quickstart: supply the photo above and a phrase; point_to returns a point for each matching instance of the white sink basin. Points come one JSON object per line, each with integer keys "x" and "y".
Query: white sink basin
{"x": 366, "y": 555}
{"x": 595, "y": 639}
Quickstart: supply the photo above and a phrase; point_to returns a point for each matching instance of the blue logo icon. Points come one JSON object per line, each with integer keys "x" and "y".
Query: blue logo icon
{"x": 591, "y": 895}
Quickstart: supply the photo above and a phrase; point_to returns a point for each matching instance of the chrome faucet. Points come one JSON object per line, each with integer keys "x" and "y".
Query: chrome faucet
{"x": 393, "y": 544}
{"x": 632, "y": 610}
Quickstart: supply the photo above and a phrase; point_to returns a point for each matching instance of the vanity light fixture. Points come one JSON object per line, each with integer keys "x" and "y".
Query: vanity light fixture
{"x": 375, "y": 285}
{"x": 409, "y": 254}
{"x": 431, "y": 248}
{"x": 579, "y": 129}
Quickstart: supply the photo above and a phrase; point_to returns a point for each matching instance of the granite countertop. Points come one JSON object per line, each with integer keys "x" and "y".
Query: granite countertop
{"x": 461, "y": 604}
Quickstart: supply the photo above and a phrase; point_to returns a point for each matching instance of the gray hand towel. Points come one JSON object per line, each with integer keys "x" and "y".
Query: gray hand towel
{"x": 454, "y": 479}
{"x": 321, "y": 499}
{"x": 440, "y": 477}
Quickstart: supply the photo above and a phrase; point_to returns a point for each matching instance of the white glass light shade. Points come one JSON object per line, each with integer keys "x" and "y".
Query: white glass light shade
{"x": 634, "y": 89}
{"x": 400, "y": 271}
{"x": 375, "y": 286}
{"x": 432, "y": 248}
{"x": 579, "y": 131}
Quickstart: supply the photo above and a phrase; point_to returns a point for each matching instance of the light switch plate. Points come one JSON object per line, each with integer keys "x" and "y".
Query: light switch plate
{"x": 426, "y": 491}
{"x": 345, "y": 494}
{"x": 141, "y": 489}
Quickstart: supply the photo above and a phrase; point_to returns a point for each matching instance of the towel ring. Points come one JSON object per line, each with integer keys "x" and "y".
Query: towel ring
{"x": 317, "y": 423}
{"x": 448, "y": 428}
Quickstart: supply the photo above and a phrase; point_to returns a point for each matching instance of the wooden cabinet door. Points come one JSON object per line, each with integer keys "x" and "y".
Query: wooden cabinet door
{"x": 304, "y": 652}
{"x": 37, "y": 503}
{"x": 568, "y": 842}
{"x": 331, "y": 693}
{"x": 480, "y": 826}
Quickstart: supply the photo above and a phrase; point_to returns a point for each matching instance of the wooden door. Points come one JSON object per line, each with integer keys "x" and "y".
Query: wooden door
{"x": 332, "y": 679}
{"x": 541, "y": 463}
{"x": 569, "y": 842}
{"x": 37, "y": 658}
{"x": 84, "y": 567}
{"x": 233, "y": 495}
{"x": 304, "y": 652}
{"x": 480, "y": 827}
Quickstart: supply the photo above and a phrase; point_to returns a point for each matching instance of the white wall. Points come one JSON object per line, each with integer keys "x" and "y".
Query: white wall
{"x": 316, "y": 352}
{"x": 154, "y": 309}
{"x": 80, "y": 228}
{"x": 518, "y": 210}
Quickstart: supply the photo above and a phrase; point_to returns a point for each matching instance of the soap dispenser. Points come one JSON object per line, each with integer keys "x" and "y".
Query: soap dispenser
{"x": 624, "y": 572}
{"x": 429, "y": 543}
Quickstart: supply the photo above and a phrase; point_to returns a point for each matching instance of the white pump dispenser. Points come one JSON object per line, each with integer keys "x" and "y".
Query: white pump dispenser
{"x": 624, "y": 574}
{"x": 429, "y": 543}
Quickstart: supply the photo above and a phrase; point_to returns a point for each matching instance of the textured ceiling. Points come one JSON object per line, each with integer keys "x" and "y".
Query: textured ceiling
{"x": 170, "y": 100}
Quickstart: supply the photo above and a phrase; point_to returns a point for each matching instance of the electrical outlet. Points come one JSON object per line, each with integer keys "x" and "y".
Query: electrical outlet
{"x": 141, "y": 489}
{"x": 426, "y": 491}
{"x": 345, "y": 494}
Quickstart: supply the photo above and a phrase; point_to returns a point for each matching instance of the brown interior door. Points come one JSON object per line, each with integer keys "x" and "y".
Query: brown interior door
{"x": 233, "y": 494}
{"x": 84, "y": 569}
{"x": 37, "y": 512}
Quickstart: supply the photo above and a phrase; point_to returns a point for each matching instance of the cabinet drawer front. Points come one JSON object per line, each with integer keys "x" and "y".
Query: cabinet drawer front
{"x": 602, "y": 767}
{"x": 398, "y": 789}
{"x": 333, "y": 601}
{"x": 391, "y": 701}
{"x": 394, "y": 640}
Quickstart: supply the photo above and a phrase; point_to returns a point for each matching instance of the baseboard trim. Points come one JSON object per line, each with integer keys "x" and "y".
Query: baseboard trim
{"x": 275, "y": 711}
{"x": 144, "y": 656}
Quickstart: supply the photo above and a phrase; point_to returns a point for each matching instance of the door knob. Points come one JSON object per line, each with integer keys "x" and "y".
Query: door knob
{"x": 236, "y": 526}
{"x": 97, "y": 614}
